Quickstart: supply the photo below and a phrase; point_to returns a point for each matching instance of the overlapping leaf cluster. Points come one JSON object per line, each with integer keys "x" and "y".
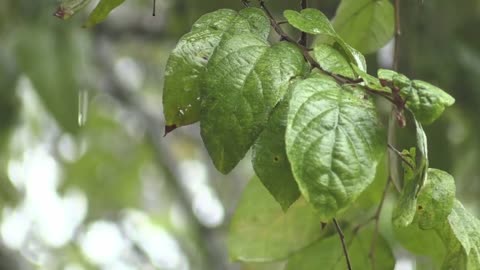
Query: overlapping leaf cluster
{"x": 317, "y": 139}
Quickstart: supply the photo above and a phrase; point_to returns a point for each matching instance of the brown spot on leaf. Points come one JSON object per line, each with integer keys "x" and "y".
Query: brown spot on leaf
{"x": 323, "y": 225}
{"x": 169, "y": 129}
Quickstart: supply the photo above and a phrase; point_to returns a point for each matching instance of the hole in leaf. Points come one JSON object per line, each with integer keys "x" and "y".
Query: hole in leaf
{"x": 276, "y": 159}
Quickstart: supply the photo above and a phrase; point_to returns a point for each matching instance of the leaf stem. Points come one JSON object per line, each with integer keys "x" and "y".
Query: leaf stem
{"x": 344, "y": 246}
{"x": 400, "y": 155}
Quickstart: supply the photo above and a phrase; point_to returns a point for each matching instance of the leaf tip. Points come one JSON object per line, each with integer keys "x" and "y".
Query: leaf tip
{"x": 169, "y": 128}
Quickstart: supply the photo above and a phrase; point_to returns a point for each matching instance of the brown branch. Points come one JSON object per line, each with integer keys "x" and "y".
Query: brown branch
{"x": 398, "y": 33}
{"x": 303, "y": 37}
{"x": 344, "y": 246}
{"x": 398, "y": 110}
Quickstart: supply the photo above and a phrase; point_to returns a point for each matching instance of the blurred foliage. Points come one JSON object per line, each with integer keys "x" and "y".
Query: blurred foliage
{"x": 108, "y": 164}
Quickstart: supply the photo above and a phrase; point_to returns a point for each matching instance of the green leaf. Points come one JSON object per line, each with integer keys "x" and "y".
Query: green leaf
{"x": 314, "y": 22}
{"x": 397, "y": 79}
{"x": 260, "y": 231}
{"x": 101, "y": 11}
{"x": 270, "y": 158}
{"x": 367, "y": 25}
{"x": 371, "y": 81}
{"x": 186, "y": 64}
{"x": 244, "y": 81}
{"x": 426, "y": 101}
{"x": 415, "y": 175}
{"x": 334, "y": 143}
{"x": 311, "y": 21}
{"x": 421, "y": 242}
{"x": 435, "y": 200}
{"x": 421, "y": 157}
{"x": 327, "y": 254}
{"x": 263, "y": 266}
{"x": 461, "y": 235}
{"x": 333, "y": 60}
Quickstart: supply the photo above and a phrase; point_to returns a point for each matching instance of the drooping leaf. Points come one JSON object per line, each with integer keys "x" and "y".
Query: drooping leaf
{"x": 367, "y": 25}
{"x": 415, "y": 175}
{"x": 334, "y": 142}
{"x": 314, "y": 22}
{"x": 435, "y": 200}
{"x": 421, "y": 157}
{"x": 404, "y": 211}
{"x": 101, "y": 11}
{"x": 327, "y": 254}
{"x": 261, "y": 232}
{"x": 244, "y": 81}
{"x": 186, "y": 64}
{"x": 461, "y": 235}
{"x": 426, "y": 101}
{"x": 270, "y": 158}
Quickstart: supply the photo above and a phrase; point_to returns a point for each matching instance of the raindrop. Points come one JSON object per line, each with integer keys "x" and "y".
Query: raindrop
{"x": 82, "y": 107}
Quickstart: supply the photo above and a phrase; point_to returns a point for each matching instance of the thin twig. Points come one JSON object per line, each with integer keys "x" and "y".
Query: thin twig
{"x": 373, "y": 245}
{"x": 303, "y": 37}
{"x": 154, "y": 7}
{"x": 396, "y": 111}
{"x": 398, "y": 33}
{"x": 400, "y": 155}
{"x": 375, "y": 216}
{"x": 344, "y": 246}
